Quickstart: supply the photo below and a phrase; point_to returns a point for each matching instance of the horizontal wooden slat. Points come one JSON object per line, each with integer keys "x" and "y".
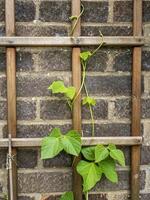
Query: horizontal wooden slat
{"x": 70, "y": 41}
{"x": 86, "y": 141}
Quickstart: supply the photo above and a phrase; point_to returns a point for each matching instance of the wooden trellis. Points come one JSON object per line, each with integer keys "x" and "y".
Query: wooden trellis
{"x": 135, "y": 140}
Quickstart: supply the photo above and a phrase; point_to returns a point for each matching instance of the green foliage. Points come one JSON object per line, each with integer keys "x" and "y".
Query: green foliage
{"x": 88, "y": 153}
{"x": 59, "y": 87}
{"x": 108, "y": 168}
{"x": 90, "y": 173}
{"x": 67, "y": 196}
{"x": 103, "y": 163}
{"x": 89, "y": 100}
{"x": 101, "y": 153}
{"x": 85, "y": 55}
{"x": 53, "y": 144}
{"x": 73, "y": 17}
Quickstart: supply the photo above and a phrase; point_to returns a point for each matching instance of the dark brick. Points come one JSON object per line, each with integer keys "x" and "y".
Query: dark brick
{"x": 53, "y": 197}
{"x": 26, "y": 110}
{"x": 54, "y": 109}
{"x": 3, "y": 110}
{"x": 62, "y": 160}
{"x": 100, "y": 110}
{"x": 95, "y": 12}
{"x": 27, "y": 158}
{"x": 45, "y": 182}
{"x": 106, "y": 30}
{"x": 123, "y": 60}
{"x": 146, "y": 9}
{"x": 123, "y": 183}
{"x": 146, "y": 108}
{"x": 25, "y": 11}
{"x": 145, "y": 155}
{"x": 109, "y": 85}
{"x": 145, "y": 196}
{"x": 25, "y": 198}
{"x": 102, "y": 130}
{"x": 2, "y": 30}
{"x": 99, "y": 61}
{"x": 2, "y": 10}
{"x": 96, "y": 197}
{"x": 3, "y": 154}
{"x": 122, "y": 108}
{"x": 24, "y": 61}
{"x": 55, "y": 59}
{"x": 146, "y": 60}
{"x": 33, "y": 131}
{"x": 2, "y": 61}
{"x": 22, "y": 30}
{"x": 3, "y": 86}
{"x": 123, "y": 11}
{"x": 28, "y": 86}
{"x": 55, "y": 11}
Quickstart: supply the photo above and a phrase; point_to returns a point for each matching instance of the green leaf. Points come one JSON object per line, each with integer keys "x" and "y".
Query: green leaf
{"x": 89, "y": 153}
{"x": 89, "y": 100}
{"x": 101, "y": 153}
{"x": 108, "y": 168}
{"x": 67, "y": 196}
{"x": 51, "y": 145}
{"x": 85, "y": 55}
{"x": 73, "y": 17}
{"x": 90, "y": 173}
{"x": 70, "y": 92}
{"x": 111, "y": 146}
{"x": 57, "y": 87}
{"x": 118, "y": 155}
{"x": 72, "y": 142}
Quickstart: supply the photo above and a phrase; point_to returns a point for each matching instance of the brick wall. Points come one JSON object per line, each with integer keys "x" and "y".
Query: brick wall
{"x": 109, "y": 81}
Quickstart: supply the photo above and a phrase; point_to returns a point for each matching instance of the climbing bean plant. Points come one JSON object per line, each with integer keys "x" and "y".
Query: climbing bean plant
{"x": 97, "y": 161}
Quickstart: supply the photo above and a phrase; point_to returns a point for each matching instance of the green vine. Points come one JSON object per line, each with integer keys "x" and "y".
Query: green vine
{"x": 97, "y": 161}
{"x": 76, "y": 18}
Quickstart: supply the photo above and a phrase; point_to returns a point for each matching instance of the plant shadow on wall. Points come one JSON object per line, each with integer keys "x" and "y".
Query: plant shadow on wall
{"x": 97, "y": 161}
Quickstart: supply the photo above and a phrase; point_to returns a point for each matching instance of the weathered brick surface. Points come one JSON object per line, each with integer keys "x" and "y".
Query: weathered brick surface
{"x": 145, "y": 155}
{"x": 95, "y": 12}
{"x": 25, "y": 11}
{"x": 62, "y": 160}
{"x": 146, "y": 60}
{"x": 55, "y": 11}
{"x": 25, "y": 198}
{"x": 39, "y": 30}
{"x": 2, "y": 30}
{"x": 44, "y": 182}
{"x": 108, "y": 129}
{"x": 145, "y": 196}
{"x": 3, "y": 158}
{"x": 97, "y": 197}
{"x": 146, "y": 14}
{"x": 106, "y": 30}
{"x": 2, "y": 10}
{"x": 123, "y": 11}
{"x": 27, "y": 158}
{"x": 3, "y": 109}
{"x": 109, "y": 85}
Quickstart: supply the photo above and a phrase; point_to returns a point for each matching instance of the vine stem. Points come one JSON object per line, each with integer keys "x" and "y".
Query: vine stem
{"x": 78, "y": 17}
{"x": 86, "y": 196}
{"x": 91, "y": 112}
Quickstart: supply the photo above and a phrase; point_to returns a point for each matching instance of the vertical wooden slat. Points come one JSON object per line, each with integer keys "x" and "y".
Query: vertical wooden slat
{"x": 11, "y": 86}
{"x": 136, "y": 100}
{"x": 76, "y": 75}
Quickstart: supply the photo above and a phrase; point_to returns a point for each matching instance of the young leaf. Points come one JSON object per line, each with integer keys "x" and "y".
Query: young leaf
{"x": 70, "y": 92}
{"x": 111, "y": 146}
{"x": 85, "y": 55}
{"x": 89, "y": 153}
{"x": 73, "y": 17}
{"x": 51, "y": 145}
{"x": 90, "y": 173}
{"x": 57, "y": 87}
{"x": 67, "y": 196}
{"x": 101, "y": 153}
{"x": 89, "y": 100}
{"x": 72, "y": 142}
{"x": 108, "y": 168}
{"x": 118, "y": 155}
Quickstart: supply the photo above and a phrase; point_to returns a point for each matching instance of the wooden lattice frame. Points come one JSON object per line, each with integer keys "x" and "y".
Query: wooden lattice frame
{"x": 11, "y": 42}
